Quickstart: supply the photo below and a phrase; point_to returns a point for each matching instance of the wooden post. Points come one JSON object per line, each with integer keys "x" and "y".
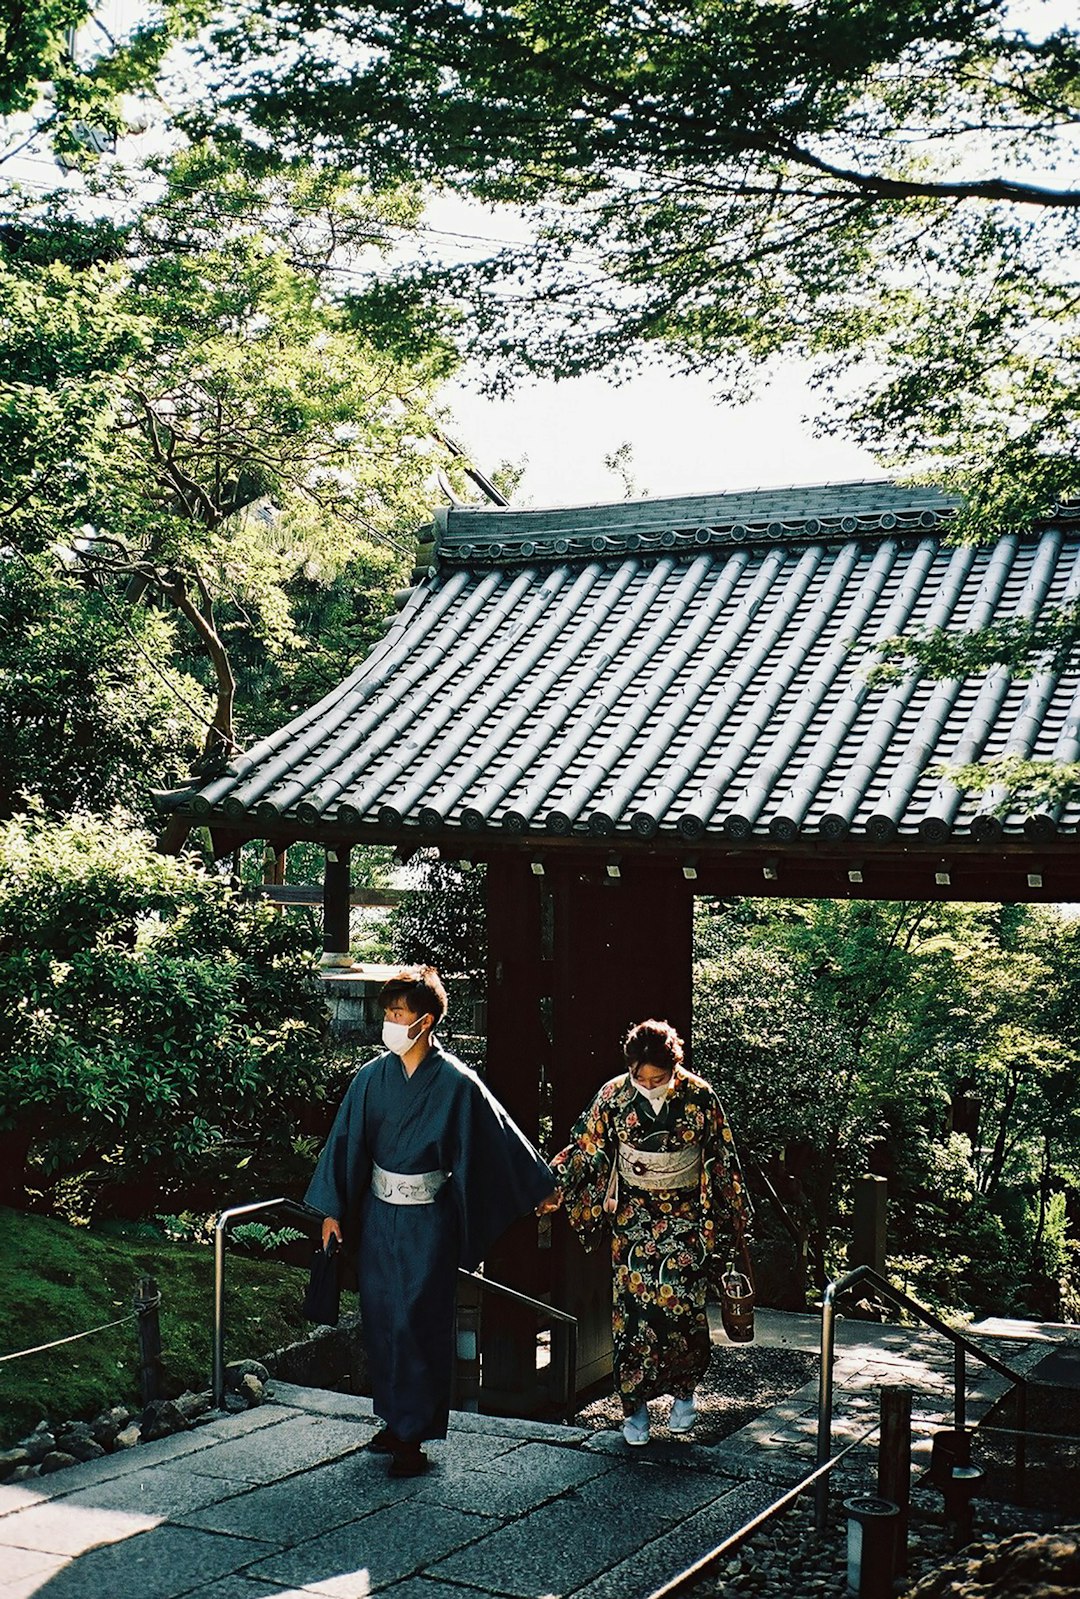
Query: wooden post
{"x": 867, "y": 1247}
{"x": 894, "y": 1463}
{"x": 517, "y": 1057}
{"x": 336, "y": 890}
{"x": 622, "y": 952}
{"x": 467, "y": 1346}
{"x": 148, "y": 1330}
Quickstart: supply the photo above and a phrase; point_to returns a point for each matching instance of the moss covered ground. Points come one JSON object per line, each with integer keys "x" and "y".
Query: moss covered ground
{"x": 57, "y": 1279}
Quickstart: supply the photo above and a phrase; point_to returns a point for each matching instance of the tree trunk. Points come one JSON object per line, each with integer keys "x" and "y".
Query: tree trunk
{"x": 997, "y": 1158}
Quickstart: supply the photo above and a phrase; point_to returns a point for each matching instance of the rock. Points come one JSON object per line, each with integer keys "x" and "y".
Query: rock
{"x": 251, "y": 1389}
{"x": 194, "y": 1405}
{"x": 39, "y": 1443}
{"x": 238, "y": 1369}
{"x": 85, "y": 1449}
{"x": 24, "y": 1473}
{"x": 234, "y": 1403}
{"x": 12, "y": 1459}
{"x": 128, "y": 1437}
{"x": 57, "y": 1460}
{"x": 72, "y": 1433}
{"x": 1029, "y": 1565}
{"x": 161, "y": 1418}
{"x": 105, "y": 1427}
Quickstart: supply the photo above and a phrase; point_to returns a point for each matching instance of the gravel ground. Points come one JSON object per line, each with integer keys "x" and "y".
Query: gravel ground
{"x": 739, "y": 1385}
{"x": 786, "y": 1560}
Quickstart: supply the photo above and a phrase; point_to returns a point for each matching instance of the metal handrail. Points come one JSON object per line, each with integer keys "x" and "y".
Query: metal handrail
{"x": 734, "y": 1540}
{"x": 302, "y": 1212}
{"x": 541, "y": 1305}
{"x": 867, "y": 1274}
{"x": 313, "y": 1218}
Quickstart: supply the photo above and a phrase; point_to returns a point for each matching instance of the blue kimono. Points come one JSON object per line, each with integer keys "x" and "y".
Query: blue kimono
{"x": 440, "y": 1118}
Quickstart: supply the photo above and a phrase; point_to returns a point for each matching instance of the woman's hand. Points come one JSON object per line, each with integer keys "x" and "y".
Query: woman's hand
{"x": 552, "y": 1202}
{"x": 331, "y": 1228}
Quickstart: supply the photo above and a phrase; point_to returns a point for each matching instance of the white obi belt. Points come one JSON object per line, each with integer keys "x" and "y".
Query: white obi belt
{"x": 655, "y": 1170}
{"x": 401, "y": 1188}
{"x": 646, "y": 1168}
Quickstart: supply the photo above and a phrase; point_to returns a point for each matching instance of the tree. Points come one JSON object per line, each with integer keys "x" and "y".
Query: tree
{"x": 849, "y": 1032}
{"x": 75, "y": 96}
{"x": 194, "y": 396}
{"x": 867, "y": 183}
{"x": 92, "y": 708}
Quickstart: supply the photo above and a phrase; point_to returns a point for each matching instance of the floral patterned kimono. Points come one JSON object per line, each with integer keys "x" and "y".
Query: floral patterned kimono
{"x": 662, "y": 1239}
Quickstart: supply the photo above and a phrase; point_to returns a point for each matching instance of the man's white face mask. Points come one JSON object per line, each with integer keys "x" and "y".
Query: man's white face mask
{"x": 399, "y": 1037}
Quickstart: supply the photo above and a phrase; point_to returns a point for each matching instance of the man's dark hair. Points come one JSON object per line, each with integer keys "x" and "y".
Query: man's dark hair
{"x": 653, "y": 1043}
{"x": 420, "y": 987}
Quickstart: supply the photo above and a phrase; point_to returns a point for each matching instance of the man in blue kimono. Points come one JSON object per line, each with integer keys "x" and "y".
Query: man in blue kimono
{"x": 422, "y": 1171}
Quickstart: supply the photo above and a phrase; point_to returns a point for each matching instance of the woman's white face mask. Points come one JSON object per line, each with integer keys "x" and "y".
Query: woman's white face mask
{"x": 399, "y": 1037}
{"x": 655, "y": 1096}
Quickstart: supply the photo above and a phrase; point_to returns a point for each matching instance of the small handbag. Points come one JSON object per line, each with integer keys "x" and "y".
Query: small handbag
{"x": 737, "y": 1294}
{"x": 322, "y": 1302}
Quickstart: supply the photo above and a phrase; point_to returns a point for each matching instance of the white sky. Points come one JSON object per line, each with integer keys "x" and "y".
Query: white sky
{"x": 681, "y": 441}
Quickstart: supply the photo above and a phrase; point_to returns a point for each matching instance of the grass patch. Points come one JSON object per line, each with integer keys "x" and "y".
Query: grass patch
{"x": 61, "y": 1279}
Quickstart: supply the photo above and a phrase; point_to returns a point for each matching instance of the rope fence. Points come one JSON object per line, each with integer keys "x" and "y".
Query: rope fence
{"x": 73, "y": 1338}
{"x": 148, "y": 1330}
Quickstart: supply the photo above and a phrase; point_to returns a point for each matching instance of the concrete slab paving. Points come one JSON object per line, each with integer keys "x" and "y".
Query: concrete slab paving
{"x": 284, "y": 1501}
{"x": 372, "y": 1552}
{"x": 161, "y": 1564}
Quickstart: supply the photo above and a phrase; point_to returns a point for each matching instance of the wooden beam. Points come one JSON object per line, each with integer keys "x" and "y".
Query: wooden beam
{"x": 303, "y": 894}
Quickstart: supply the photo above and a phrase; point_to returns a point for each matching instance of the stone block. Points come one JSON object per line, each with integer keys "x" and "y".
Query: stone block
{"x": 53, "y": 1528}
{"x": 159, "y": 1564}
{"x": 674, "y": 1550}
{"x": 293, "y": 1445}
{"x": 343, "y": 1491}
{"x": 377, "y": 1550}
{"x": 570, "y": 1541}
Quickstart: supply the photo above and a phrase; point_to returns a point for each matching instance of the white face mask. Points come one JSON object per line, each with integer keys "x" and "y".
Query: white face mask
{"x": 655, "y": 1096}
{"x": 398, "y": 1038}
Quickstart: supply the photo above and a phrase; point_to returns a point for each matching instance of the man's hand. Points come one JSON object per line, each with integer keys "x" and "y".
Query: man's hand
{"x": 331, "y": 1228}
{"x": 552, "y": 1202}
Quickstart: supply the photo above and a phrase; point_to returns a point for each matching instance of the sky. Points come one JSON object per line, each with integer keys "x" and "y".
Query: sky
{"x": 681, "y": 441}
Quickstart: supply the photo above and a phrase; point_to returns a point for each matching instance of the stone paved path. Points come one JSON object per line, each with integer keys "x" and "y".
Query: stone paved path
{"x": 285, "y": 1501}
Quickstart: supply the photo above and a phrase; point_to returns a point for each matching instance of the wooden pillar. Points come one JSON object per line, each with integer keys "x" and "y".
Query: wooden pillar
{"x": 622, "y": 952}
{"x": 517, "y": 1057}
{"x": 337, "y": 887}
{"x": 868, "y": 1222}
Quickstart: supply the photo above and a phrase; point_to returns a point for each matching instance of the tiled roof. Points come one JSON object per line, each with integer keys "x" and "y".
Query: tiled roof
{"x": 686, "y": 669}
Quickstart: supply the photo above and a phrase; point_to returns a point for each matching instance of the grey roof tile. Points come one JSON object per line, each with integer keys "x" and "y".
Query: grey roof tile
{"x": 689, "y": 669}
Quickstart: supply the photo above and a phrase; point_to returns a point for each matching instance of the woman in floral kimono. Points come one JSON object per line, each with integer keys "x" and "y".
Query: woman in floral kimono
{"x": 652, "y": 1156}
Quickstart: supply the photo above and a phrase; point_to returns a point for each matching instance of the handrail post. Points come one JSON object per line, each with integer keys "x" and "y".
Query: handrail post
{"x": 221, "y": 1226}
{"x": 959, "y": 1388}
{"x": 570, "y": 1345}
{"x": 824, "y": 1431}
{"x": 219, "y": 1312}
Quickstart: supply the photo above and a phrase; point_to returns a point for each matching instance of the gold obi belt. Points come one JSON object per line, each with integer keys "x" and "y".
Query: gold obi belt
{"x": 653, "y": 1169}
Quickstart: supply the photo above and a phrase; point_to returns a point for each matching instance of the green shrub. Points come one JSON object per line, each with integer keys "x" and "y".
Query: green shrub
{"x": 158, "y": 1029}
